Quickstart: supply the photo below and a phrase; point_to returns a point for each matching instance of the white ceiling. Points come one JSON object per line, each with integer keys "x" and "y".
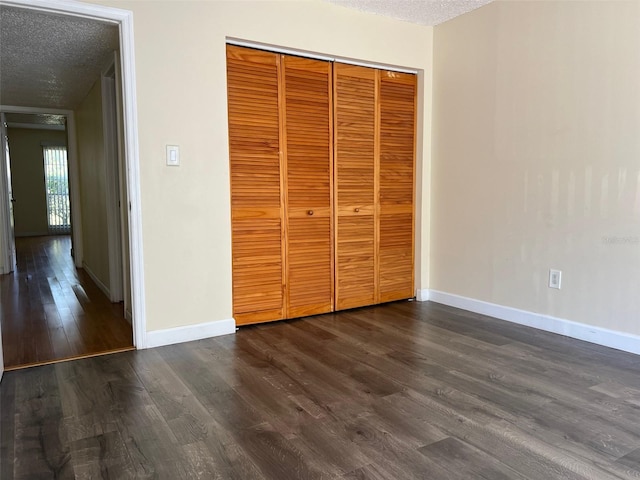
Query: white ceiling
{"x": 422, "y": 12}
{"x": 51, "y": 61}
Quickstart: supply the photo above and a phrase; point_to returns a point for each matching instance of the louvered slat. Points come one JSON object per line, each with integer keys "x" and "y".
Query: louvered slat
{"x": 254, "y": 139}
{"x": 397, "y": 179}
{"x": 308, "y": 120}
{"x": 355, "y": 131}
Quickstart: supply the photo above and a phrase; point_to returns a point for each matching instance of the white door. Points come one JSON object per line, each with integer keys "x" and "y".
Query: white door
{"x": 111, "y": 150}
{"x": 6, "y": 203}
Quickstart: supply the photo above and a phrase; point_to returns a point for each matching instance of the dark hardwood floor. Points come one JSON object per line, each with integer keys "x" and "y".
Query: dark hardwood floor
{"x": 52, "y": 311}
{"x": 400, "y": 391}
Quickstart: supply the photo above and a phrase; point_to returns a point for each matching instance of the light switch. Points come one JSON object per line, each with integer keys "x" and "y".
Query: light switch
{"x": 555, "y": 278}
{"x": 173, "y": 155}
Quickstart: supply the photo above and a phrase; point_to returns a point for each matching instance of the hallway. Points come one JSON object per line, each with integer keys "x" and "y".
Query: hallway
{"x": 52, "y": 311}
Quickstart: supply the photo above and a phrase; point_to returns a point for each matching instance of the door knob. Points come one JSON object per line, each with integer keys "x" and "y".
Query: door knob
{"x": 310, "y": 212}
{"x": 356, "y": 210}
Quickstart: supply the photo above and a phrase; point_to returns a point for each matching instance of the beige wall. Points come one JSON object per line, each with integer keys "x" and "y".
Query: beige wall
{"x": 181, "y": 94}
{"x": 92, "y": 169}
{"x": 27, "y": 178}
{"x": 536, "y": 159}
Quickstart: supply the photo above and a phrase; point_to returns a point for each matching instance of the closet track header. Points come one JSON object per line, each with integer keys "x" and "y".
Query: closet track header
{"x": 316, "y": 56}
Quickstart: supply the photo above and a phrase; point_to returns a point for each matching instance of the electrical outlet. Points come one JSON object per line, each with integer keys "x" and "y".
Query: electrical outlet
{"x": 555, "y": 278}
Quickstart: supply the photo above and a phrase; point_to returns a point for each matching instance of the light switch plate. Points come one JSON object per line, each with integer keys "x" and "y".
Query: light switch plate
{"x": 173, "y": 155}
{"x": 555, "y": 279}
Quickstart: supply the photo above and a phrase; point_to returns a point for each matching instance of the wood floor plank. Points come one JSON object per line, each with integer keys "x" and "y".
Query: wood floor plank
{"x": 631, "y": 463}
{"x": 327, "y": 443}
{"x": 404, "y": 390}
{"x": 513, "y": 447}
{"x": 463, "y": 460}
{"x": 52, "y": 311}
{"x": 278, "y": 458}
{"x": 39, "y": 449}
{"x": 100, "y": 456}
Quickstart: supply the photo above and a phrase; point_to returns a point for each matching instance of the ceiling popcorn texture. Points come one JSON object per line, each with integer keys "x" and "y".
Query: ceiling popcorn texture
{"x": 51, "y": 61}
{"x": 422, "y": 12}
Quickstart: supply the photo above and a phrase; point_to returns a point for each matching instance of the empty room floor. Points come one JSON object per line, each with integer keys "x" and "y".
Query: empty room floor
{"x": 52, "y": 311}
{"x": 400, "y": 391}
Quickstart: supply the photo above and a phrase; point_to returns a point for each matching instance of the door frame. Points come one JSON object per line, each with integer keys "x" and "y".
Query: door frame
{"x": 7, "y": 244}
{"x": 6, "y": 247}
{"x": 124, "y": 20}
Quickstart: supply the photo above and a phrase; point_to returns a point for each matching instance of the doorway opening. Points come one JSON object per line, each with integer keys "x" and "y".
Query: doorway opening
{"x": 23, "y": 100}
{"x": 52, "y": 310}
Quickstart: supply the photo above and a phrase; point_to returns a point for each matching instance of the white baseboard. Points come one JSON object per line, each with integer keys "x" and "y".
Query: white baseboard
{"x": 96, "y": 280}
{"x": 169, "y": 336}
{"x": 422, "y": 295}
{"x": 601, "y": 336}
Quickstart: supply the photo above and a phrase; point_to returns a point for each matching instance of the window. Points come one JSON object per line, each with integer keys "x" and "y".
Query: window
{"x": 56, "y": 176}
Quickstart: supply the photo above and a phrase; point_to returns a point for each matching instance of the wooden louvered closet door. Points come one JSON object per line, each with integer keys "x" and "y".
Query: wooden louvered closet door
{"x": 397, "y": 178}
{"x": 322, "y": 185}
{"x": 356, "y": 187}
{"x": 256, "y": 203}
{"x": 309, "y": 166}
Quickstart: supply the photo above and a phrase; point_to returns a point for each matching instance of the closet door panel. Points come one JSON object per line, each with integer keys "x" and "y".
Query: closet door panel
{"x": 309, "y": 166}
{"x": 355, "y": 164}
{"x": 356, "y": 260}
{"x": 397, "y": 180}
{"x": 257, "y": 271}
{"x": 254, "y": 151}
{"x": 396, "y": 260}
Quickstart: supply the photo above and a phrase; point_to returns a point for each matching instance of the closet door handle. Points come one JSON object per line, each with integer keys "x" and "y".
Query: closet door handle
{"x": 310, "y": 212}
{"x": 356, "y": 210}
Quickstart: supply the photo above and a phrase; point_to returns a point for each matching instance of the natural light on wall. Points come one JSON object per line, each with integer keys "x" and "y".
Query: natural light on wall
{"x": 57, "y": 186}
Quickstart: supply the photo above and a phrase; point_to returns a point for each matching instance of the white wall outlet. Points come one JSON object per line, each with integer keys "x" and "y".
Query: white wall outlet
{"x": 555, "y": 279}
{"x": 173, "y": 155}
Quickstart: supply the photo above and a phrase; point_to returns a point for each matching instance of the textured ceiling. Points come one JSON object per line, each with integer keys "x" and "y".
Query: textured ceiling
{"x": 422, "y": 12}
{"x": 50, "y": 61}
